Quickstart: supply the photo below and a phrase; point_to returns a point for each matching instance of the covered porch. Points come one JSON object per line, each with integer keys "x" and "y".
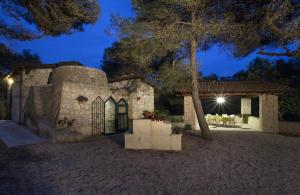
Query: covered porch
{"x": 236, "y": 105}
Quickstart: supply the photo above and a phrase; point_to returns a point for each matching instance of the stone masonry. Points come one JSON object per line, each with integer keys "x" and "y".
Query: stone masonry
{"x": 268, "y": 113}
{"x": 51, "y": 95}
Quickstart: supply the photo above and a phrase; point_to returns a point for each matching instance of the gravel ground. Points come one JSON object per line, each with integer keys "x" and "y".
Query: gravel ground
{"x": 234, "y": 163}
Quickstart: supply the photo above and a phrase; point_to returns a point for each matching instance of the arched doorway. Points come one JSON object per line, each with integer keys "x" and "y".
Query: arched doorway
{"x": 122, "y": 116}
{"x": 98, "y": 116}
{"x": 110, "y": 116}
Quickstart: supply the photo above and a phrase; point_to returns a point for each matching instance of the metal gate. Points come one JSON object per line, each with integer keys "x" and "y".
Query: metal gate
{"x": 110, "y": 116}
{"x": 98, "y": 116}
{"x": 122, "y": 116}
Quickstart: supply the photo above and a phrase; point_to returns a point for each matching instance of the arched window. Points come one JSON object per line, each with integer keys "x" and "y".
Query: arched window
{"x": 110, "y": 116}
{"x": 122, "y": 115}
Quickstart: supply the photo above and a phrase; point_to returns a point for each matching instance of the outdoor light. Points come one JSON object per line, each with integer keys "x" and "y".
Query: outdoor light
{"x": 9, "y": 80}
{"x": 220, "y": 100}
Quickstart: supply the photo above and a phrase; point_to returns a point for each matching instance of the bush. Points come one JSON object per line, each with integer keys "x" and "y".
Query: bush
{"x": 188, "y": 127}
{"x": 177, "y": 130}
{"x": 176, "y": 119}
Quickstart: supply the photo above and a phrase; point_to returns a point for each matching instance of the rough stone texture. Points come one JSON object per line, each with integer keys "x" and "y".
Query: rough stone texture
{"x": 148, "y": 134}
{"x": 268, "y": 112}
{"x": 34, "y": 77}
{"x": 245, "y": 105}
{"x": 79, "y": 81}
{"x": 139, "y": 96}
{"x": 50, "y": 95}
{"x": 71, "y": 108}
{"x": 234, "y": 163}
{"x": 289, "y": 128}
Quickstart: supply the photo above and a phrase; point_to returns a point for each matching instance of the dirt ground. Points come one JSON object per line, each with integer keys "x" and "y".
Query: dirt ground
{"x": 234, "y": 163}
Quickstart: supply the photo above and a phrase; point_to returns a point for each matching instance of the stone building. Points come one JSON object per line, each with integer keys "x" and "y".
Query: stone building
{"x": 266, "y": 92}
{"x": 79, "y": 98}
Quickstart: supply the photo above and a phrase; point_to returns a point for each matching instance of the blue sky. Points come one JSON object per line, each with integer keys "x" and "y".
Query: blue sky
{"x": 88, "y": 47}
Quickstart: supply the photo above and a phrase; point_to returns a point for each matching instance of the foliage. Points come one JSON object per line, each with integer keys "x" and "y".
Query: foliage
{"x": 188, "y": 127}
{"x": 282, "y": 72}
{"x": 28, "y": 19}
{"x": 11, "y": 61}
{"x": 123, "y": 58}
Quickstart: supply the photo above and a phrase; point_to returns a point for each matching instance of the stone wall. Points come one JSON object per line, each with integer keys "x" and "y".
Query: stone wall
{"x": 80, "y": 81}
{"x": 81, "y": 112}
{"x": 157, "y": 135}
{"x": 37, "y": 107}
{"x": 30, "y": 78}
{"x": 289, "y": 128}
{"x": 268, "y": 113}
{"x": 138, "y": 94}
{"x": 36, "y": 77}
{"x": 52, "y": 95}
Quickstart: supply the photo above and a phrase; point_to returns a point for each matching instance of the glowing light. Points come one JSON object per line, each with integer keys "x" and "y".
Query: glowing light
{"x": 220, "y": 100}
{"x": 9, "y": 80}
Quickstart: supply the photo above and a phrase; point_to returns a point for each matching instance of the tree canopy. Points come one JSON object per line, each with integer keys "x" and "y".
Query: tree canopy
{"x": 282, "y": 72}
{"x": 10, "y": 60}
{"x": 31, "y": 19}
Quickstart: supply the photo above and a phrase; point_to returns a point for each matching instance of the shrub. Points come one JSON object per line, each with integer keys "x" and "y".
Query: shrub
{"x": 188, "y": 127}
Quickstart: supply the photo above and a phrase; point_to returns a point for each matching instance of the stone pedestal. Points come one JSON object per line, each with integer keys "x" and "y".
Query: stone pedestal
{"x": 155, "y": 135}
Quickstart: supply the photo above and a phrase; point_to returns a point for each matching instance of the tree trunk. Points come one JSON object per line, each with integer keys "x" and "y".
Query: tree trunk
{"x": 195, "y": 92}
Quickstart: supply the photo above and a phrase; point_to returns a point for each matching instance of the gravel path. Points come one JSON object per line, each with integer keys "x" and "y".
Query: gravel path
{"x": 234, "y": 163}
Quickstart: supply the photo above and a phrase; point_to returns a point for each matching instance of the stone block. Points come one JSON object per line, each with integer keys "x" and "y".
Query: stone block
{"x": 161, "y": 128}
{"x": 176, "y": 143}
{"x": 142, "y": 126}
{"x": 129, "y": 141}
{"x": 142, "y": 141}
{"x": 162, "y": 142}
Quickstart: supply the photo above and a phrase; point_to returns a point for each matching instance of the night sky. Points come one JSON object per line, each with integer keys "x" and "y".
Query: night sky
{"x": 88, "y": 47}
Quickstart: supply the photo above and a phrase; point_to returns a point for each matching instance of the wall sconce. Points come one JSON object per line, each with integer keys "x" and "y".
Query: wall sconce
{"x": 10, "y": 81}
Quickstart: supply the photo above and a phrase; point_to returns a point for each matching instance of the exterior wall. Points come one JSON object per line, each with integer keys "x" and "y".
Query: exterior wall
{"x": 268, "y": 112}
{"x": 71, "y": 108}
{"x": 286, "y": 127}
{"x": 37, "y": 106}
{"x": 245, "y": 105}
{"x": 139, "y": 96}
{"x": 157, "y": 135}
{"x": 253, "y": 123}
{"x": 51, "y": 100}
{"x": 34, "y": 77}
{"x": 81, "y": 81}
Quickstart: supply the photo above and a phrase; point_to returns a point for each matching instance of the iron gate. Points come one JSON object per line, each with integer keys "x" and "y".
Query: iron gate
{"x": 98, "y": 116}
{"x": 122, "y": 116}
